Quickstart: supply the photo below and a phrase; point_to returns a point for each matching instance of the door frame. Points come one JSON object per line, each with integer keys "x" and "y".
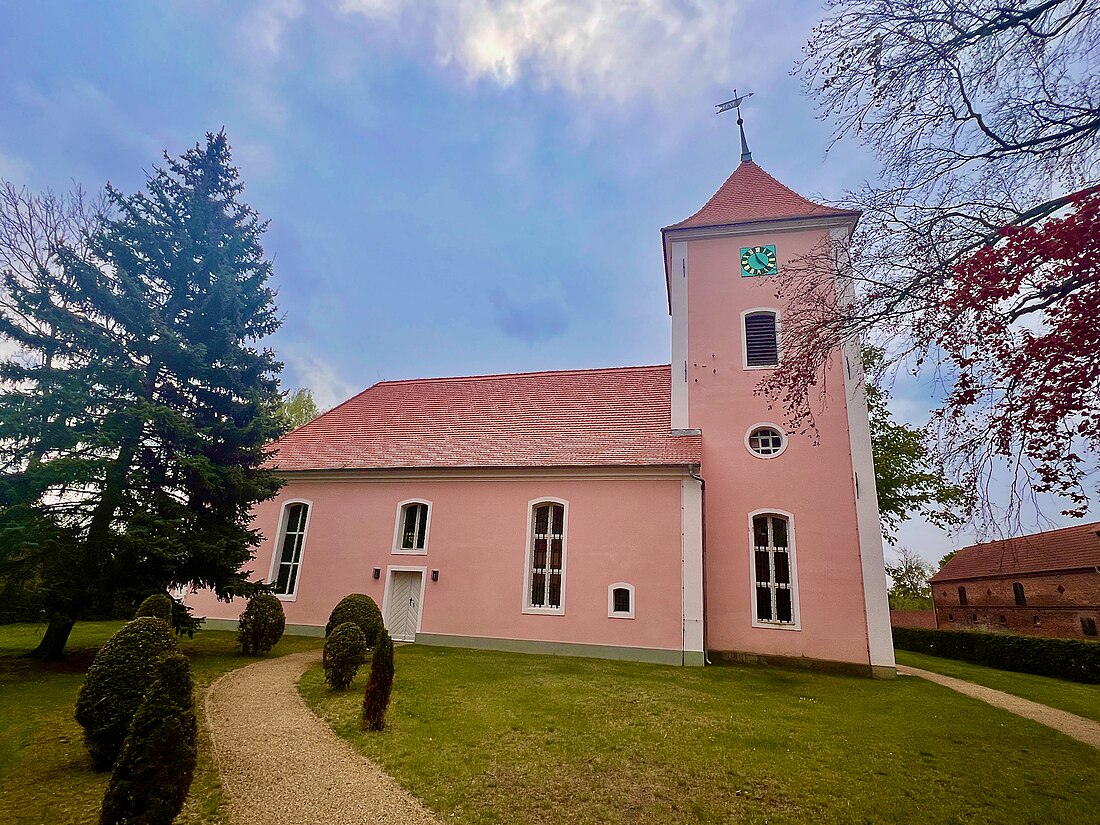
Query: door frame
{"x": 405, "y": 568}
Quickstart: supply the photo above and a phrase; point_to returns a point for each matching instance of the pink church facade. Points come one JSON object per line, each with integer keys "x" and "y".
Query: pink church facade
{"x": 652, "y": 513}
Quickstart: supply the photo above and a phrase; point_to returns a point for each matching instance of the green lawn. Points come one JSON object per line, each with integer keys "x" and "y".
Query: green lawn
{"x": 1074, "y": 697}
{"x": 45, "y": 773}
{"x": 485, "y": 737}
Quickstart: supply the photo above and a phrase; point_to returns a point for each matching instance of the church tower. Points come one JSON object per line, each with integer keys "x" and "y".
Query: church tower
{"x": 793, "y": 567}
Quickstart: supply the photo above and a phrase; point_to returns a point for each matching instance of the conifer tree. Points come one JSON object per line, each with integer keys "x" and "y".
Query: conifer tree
{"x": 131, "y": 436}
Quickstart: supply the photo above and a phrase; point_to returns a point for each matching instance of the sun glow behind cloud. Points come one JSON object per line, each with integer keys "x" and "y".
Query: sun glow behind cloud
{"x": 615, "y": 50}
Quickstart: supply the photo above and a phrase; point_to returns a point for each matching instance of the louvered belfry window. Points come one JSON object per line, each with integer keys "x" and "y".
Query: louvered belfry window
{"x": 761, "y": 340}
{"x": 547, "y": 555}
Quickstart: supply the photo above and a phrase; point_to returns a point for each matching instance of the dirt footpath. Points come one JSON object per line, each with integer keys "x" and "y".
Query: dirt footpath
{"x": 280, "y": 763}
{"x": 1081, "y": 729}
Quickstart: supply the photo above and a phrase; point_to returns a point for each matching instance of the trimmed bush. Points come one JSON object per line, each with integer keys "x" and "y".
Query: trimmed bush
{"x": 261, "y": 625}
{"x": 116, "y": 683}
{"x": 345, "y": 650}
{"x": 1072, "y": 659}
{"x": 154, "y": 771}
{"x": 376, "y": 698}
{"x": 360, "y": 609}
{"x": 159, "y": 606}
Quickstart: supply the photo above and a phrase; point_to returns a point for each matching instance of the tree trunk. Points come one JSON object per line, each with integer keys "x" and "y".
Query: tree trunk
{"x": 54, "y": 640}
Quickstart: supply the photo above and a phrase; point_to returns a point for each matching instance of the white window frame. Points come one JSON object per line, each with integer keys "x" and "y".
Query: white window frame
{"x": 619, "y": 614}
{"x": 796, "y": 613}
{"x": 784, "y": 440}
{"x": 398, "y": 527}
{"x": 745, "y": 339}
{"x": 277, "y": 550}
{"x": 530, "y": 550}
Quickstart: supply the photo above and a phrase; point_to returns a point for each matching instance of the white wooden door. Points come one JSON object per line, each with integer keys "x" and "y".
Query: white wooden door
{"x": 404, "y": 605}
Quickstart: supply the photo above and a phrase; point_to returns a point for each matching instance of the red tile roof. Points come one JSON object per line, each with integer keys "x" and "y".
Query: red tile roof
{"x": 1071, "y": 548}
{"x": 540, "y": 419}
{"x": 751, "y": 194}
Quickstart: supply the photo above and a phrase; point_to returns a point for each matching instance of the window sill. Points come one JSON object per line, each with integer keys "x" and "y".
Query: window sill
{"x": 397, "y": 551}
{"x": 286, "y": 597}
{"x": 544, "y": 611}
{"x": 776, "y": 625}
{"x": 763, "y": 367}
{"x": 620, "y": 615}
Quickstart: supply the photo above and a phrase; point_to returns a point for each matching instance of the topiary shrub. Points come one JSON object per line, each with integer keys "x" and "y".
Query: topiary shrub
{"x": 345, "y": 650}
{"x": 115, "y": 684}
{"x": 261, "y": 625}
{"x": 360, "y": 609}
{"x": 159, "y": 606}
{"x": 376, "y": 698}
{"x": 154, "y": 771}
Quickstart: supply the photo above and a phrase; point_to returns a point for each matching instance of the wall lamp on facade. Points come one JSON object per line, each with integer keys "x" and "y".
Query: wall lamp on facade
{"x": 377, "y": 572}
{"x": 435, "y": 575}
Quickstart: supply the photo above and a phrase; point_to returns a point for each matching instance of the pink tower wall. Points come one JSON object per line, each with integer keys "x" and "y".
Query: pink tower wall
{"x": 619, "y": 530}
{"x": 814, "y": 483}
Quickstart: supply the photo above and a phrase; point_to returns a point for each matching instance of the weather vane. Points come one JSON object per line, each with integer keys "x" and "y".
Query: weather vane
{"x": 736, "y": 104}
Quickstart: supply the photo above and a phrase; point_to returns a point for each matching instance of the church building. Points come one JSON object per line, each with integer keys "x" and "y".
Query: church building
{"x": 654, "y": 513}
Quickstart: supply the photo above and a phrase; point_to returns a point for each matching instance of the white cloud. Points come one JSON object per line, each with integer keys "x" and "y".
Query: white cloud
{"x": 266, "y": 27}
{"x": 613, "y": 50}
{"x": 312, "y": 371}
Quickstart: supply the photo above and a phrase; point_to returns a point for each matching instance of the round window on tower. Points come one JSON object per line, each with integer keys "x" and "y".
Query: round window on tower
{"x": 765, "y": 441}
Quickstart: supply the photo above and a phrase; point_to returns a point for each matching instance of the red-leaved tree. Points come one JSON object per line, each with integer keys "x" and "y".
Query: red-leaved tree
{"x": 975, "y": 259}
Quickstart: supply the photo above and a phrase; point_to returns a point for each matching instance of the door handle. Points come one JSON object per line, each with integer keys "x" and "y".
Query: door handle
{"x": 412, "y": 602}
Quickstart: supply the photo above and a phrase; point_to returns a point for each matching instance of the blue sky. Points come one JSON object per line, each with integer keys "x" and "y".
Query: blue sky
{"x": 454, "y": 186}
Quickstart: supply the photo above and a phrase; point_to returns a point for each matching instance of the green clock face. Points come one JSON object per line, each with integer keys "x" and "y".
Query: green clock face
{"x": 758, "y": 260}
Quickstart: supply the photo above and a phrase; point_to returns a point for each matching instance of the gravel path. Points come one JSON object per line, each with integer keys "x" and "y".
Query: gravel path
{"x": 280, "y": 763}
{"x": 1084, "y": 730}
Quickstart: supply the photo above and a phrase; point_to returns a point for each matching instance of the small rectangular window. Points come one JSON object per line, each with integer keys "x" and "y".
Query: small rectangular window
{"x": 1088, "y": 626}
{"x": 622, "y": 600}
{"x": 962, "y": 596}
{"x": 761, "y": 340}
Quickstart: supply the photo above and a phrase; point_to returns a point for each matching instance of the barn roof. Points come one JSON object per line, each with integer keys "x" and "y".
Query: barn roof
{"x": 1071, "y": 548}
{"x": 575, "y": 418}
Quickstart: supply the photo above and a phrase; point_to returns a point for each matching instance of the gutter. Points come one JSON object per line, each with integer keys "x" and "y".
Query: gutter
{"x": 703, "y": 530}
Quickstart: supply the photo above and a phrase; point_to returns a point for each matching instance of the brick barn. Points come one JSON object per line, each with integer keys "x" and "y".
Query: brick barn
{"x": 1047, "y": 584}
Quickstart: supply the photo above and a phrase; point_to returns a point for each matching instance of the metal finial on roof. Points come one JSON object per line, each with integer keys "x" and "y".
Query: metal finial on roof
{"x": 736, "y": 104}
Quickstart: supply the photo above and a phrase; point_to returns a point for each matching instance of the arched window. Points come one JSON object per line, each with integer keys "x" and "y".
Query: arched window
{"x": 760, "y": 330}
{"x": 291, "y": 542}
{"x": 776, "y": 601}
{"x": 546, "y": 558}
{"x": 411, "y": 531}
{"x": 1018, "y": 593}
{"x": 620, "y": 601}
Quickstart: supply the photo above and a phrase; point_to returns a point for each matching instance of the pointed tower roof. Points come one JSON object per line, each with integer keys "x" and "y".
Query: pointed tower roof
{"x": 751, "y": 194}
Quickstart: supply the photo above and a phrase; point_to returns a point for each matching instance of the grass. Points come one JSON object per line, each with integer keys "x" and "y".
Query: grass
{"x": 1073, "y": 697}
{"x": 45, "y": 773}
{"x": 486, "y": 737}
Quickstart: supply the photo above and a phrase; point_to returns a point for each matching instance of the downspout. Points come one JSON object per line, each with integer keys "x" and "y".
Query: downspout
{"x": 703, "y": 531}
